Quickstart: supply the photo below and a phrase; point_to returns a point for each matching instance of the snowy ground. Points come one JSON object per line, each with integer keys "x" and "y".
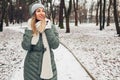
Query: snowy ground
{"x": 98, "y": 51}
{"x": 11, "y": 53}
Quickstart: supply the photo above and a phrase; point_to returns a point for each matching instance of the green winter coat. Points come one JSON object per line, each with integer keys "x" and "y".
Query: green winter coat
{"x": 33, "y": 60}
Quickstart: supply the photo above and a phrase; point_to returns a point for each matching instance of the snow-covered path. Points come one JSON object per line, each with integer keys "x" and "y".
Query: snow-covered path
{"x": 67, "y": 66}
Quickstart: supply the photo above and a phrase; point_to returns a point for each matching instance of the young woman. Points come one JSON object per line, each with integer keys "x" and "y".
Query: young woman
{"x": 39, "y": 39}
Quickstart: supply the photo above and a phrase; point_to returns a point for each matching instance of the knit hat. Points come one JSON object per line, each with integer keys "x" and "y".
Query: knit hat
{"x": 34, "y": 6}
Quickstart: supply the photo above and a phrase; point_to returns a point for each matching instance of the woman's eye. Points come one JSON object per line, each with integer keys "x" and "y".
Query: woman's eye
{"x": 38, "y": 11}
{"x": 43, "y": 10}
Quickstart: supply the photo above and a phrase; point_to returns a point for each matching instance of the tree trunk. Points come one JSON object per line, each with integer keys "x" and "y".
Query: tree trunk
{"x": 52, "y": 12}
{"x": 101, "y": 27}
{"x": 116, "y": 17}
{"x": 80, "y": 17}
{"x": 67, "y": 25}
{"x": 3, "y": 14}
{"x": 104, "y": 7}
{"x": 67, "y": 14}
{"x": 61, "y": 14}
{"x": 97, "y": 9}
{"x": 76, "y": 14}
{"x": 6, "y": 19}
{"x": 108, "y": 18}
{"x": 6, "y": 16}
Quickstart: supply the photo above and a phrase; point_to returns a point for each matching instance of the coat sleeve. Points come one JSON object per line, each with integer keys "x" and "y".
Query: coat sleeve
{"x": 26, "y": 42}
{"x": 52, "y": 37}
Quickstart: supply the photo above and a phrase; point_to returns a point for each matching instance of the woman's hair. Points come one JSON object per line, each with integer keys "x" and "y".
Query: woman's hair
{"x": 33, "y": 22}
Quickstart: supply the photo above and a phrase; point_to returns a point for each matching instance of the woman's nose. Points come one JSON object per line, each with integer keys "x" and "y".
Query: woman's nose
{"x": 40, "y": 12}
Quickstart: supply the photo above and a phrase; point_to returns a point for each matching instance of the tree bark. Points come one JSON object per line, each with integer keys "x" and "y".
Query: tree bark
{"x": 101, "y": 17}
{"x": 61, "y": 14}
{"x": 67, "y": 25}
{"x": 108, "y": 18}
{"x": 67, "y": 14}
{"x": 76, "y": 9}
{"x": 97, "y": 9}
{"x": 3, "y": 14}
{"x": 116, "y": 17}
{"x": 104, "y": 8}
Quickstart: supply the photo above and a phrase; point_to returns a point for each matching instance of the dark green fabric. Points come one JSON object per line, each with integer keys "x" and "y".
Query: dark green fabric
{"x": 33, "y": 60}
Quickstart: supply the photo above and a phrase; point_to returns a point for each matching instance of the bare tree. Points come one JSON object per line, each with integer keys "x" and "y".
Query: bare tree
{"x": 101, "y": 16}
{"x": 67, "y": 15}
{"x": 3, "y": 14}
{"x": 6, "y": 15}
{"x": 53, "y": 11}
{"x": 97, "y": 9}
{"x": 83, "y": 12}
{"x": 116, "y": 17}
{"x": 61, "y": 14}
{"x": 104, "y": 8}
{"x": 108, "y": 17}
{"x": 76, "y": 11}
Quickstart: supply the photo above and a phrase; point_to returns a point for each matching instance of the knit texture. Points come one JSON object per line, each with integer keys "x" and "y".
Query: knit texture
{"x": 35, "y": 6}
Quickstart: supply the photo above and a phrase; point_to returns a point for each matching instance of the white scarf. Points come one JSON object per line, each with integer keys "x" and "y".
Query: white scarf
{"x": 46, "y": 69}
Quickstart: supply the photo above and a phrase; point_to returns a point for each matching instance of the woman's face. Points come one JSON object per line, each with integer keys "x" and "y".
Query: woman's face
{"x": 40, "y": 14}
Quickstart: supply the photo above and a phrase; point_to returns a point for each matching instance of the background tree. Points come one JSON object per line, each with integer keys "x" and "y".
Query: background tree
{"x": 91, "y": 11}
{"x": 104, "y": 9}
{"x": 75, "y": 3}
{"x": 116, "y": 17}
{"x": 80, "y": 15}
{"x": 108, "y": 17}
{"x": 83, "y": 12}
{"x": 11, "y": 12}
{"x": 61, "y": 18}
{"x": 6, "y": 15}
{"x": 3, "y": 7}
{"x": 67, "y": 10}
{"x": 97, "y": 10}
{"x": 101, "y": 16}
{"x": 53, "y": 11}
